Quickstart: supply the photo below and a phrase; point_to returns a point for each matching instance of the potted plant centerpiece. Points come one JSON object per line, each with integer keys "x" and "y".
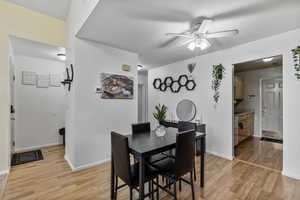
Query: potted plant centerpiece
{"x": 160, "y": 115}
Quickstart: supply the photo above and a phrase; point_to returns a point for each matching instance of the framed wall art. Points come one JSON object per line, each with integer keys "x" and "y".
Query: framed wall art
{"x": 116, "y": 86}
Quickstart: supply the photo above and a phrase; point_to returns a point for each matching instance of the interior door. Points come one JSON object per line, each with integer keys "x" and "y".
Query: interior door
{"x": 272, "y": 109}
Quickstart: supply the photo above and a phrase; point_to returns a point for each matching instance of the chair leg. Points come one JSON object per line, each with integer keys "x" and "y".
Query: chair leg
{"x": 192, "y": 186}
{"x": 180, "y": 185}
{"x": 131, "y": 193}
{"x": 175, "y": 191}
{"x": 149, "y": 190}
{"x": 157, "y": 193}
{"x": 116, "y": 189}
{"x": 152, "y": 190}
{"x": 195, "y": 175}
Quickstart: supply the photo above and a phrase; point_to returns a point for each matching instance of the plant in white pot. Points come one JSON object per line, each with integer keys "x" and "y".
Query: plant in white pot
{"x": 160, "y": 114}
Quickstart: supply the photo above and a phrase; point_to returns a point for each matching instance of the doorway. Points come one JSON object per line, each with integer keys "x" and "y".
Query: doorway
{"x": 258, "y": 112}
{"x": 12, "y": 106}
{"x": 142, "y": 96}
{"x": 36, "y": 72}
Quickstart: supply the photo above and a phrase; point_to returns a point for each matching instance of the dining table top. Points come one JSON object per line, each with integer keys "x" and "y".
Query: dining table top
{"x": 150, "y": 143}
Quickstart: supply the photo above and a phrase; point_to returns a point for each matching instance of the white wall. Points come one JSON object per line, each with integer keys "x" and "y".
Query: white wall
{"x": 40, "y": 112}
{"x": 90, "y": 119}
{"x": 251, "y": 80}
{"x": 219, "y": 119}
{"x": 78, "y": 13}
{"x": 95, "y": 118}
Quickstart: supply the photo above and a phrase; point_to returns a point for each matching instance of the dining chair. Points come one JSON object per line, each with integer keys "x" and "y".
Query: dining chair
{"x": 140, "y": 128}
{"x": 174, "y": 169}
{"x": 185, "y": 126}
{"x": 129, "y": 174}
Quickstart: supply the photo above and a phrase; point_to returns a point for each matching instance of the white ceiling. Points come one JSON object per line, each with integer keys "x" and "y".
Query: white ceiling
{"x": 30, "y": 48}
{"x": 55, "y": 8}
{"x": 140, "y": 25}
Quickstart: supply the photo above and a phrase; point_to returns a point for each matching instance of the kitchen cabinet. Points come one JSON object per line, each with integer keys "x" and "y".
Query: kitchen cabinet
{"x": 238, "y": 88}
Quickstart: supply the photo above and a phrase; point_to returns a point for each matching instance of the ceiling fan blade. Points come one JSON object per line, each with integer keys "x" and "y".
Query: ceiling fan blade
{"x": 221, "y": 34}
{"x": 204, "y": 25}
{"x": 185, "y": 42}
{"x": 179, "y": 35}
{"x": 204, "y": 44}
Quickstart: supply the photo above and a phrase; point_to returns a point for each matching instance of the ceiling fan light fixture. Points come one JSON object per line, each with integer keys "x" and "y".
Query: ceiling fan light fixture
{"x": 192, "y": 46}
{"x": 203, "y": 44}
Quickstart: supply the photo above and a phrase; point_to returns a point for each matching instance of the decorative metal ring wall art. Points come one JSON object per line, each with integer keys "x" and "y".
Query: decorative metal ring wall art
{"x": 174, "y": 85}
{"x": 156, "y": 83}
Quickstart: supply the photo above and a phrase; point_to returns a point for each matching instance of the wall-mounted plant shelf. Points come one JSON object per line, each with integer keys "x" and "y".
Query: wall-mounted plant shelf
{"x": 174, "y": 85}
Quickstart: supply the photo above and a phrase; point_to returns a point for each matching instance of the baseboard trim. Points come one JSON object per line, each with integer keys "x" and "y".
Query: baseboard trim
{"x": 220, "y": 155}
{"x": 69, "y": 163}
{"x": 291, "y": 175}
{"x": 2, "y": 188}
{"x": 5, "y": 172}
{"x": 85, "y": 166}
{"x": 17, "y": 150}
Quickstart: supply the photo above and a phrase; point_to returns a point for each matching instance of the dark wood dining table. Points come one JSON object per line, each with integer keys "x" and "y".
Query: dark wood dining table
{"x": 147, "y": 144}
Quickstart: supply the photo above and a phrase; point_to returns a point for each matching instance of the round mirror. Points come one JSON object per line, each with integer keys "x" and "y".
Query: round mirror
{"x": 186, "y": 110}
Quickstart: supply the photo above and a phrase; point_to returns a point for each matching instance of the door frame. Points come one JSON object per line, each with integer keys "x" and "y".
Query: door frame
{"x": 261, "y": 98}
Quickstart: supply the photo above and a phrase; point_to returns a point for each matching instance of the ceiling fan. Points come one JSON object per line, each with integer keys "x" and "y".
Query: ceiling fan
{"x": 198, "y": 35}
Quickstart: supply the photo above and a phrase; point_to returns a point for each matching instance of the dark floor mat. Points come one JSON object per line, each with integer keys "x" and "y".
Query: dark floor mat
{"x": 267, "y": 139}
{"x": 26, "y": 157}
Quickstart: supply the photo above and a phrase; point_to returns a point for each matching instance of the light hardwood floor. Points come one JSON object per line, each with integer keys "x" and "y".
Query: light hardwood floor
{"x": 2, "y": 185}
{"x": 267, "y": 154}
{"x": 225, "y": 180}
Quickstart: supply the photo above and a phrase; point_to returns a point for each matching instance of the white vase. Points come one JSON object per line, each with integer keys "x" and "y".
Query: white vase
{"x": 160, "y": 131}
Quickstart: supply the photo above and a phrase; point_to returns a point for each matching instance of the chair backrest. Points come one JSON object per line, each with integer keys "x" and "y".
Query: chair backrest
{"x": 186, "y": 126}
{"x": 140, "y": 128}
{"x": 120, "y": 152}
{"x": 185, "y": 152}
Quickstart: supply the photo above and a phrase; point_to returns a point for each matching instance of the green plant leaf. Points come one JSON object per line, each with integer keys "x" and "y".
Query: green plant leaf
{"x": 217, "y": 75}
{"x": 160, "y": 112}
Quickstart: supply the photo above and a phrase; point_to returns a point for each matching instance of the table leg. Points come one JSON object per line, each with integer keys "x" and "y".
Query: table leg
{"x": 141, "y": 177}
{"x": 112, "y": 179}
{"x": 202, "y": 167}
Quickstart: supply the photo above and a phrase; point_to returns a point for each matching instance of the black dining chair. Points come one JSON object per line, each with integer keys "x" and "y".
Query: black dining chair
{"x": 173, "y": 169}
{"x": 129, "y": 174}
{"x": 140, "y": 128}
{"x": 185, "y": 126}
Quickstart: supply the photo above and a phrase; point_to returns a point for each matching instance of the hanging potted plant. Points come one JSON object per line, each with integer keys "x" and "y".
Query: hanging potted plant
{"x": 296, "y": 57}
{"x": 160, "y": 114}
{"x": 217, "y": 75}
